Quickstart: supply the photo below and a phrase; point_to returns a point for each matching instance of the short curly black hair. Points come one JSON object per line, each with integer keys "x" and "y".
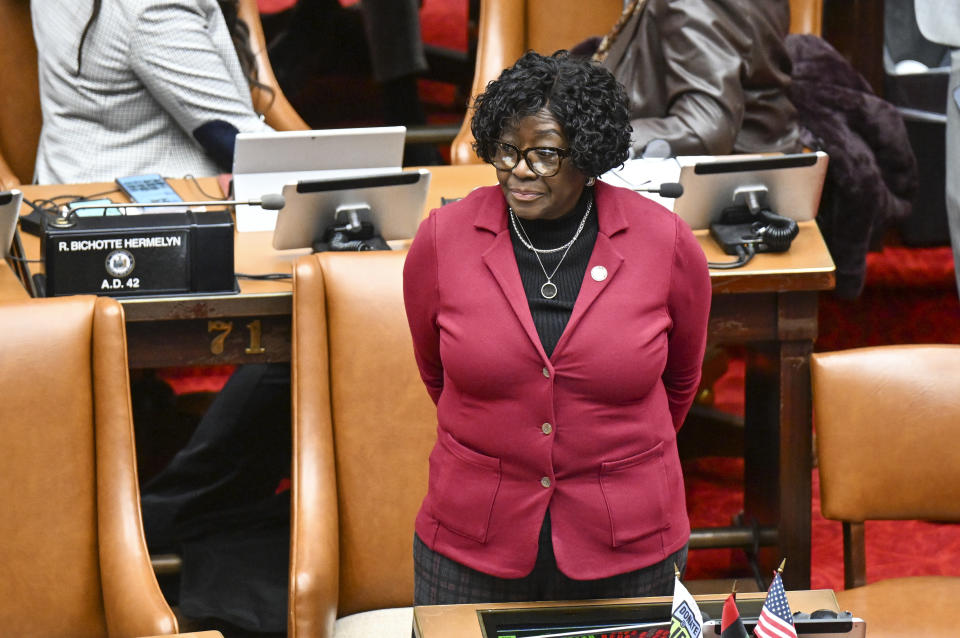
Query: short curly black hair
{"x": 584, "y": 97}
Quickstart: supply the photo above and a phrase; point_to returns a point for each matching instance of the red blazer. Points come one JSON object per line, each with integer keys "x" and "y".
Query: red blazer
{"x": 590, "y": 432}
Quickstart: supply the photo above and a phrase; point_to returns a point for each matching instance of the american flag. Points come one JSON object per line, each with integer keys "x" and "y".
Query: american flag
{"x": 775, "y": 621}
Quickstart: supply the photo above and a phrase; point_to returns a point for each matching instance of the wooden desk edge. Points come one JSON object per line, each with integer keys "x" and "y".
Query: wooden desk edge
{"x": 807, "y": 266}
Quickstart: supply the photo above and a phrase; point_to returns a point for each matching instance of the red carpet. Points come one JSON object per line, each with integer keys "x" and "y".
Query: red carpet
{"x": 910, "y": 298}
{"x": 894, "y": 548}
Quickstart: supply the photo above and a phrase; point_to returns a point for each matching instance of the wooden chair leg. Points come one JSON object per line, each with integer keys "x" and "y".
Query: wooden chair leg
{"x": 854, "y": 555}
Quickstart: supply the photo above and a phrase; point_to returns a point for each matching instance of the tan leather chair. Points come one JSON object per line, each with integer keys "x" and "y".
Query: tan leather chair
{"x": 11, "y": 287}
{"x": 74, "y": 559}
{"x": 508, "y": 28}
{"x": 19, "y": 96}
{"x": 363, "y": 430}
{"x": 20, "y": 117}
{"x": 806, "y": 16}
{"x": 888, "y": 422}
{"x": 277, "y": 110}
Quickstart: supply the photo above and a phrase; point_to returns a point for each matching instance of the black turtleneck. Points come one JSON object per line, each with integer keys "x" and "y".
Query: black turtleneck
{"x": 550, "y": 316}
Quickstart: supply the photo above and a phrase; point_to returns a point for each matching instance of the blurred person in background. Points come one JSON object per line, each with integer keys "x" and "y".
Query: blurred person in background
{"x": 708, "y": 77}
{"x": 939, "y": 21}
{"x": 140, "y": 86}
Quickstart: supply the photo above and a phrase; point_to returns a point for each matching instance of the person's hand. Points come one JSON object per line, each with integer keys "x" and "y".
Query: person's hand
{"x": 225, "y": 180}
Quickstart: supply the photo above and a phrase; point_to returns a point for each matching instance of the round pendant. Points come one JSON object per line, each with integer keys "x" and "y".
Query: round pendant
{"x": 548, "y": 290}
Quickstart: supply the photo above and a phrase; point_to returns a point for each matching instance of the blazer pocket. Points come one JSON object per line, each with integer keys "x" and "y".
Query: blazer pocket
{"x": 465, "y": 484}
{"x": 634, "y": 490}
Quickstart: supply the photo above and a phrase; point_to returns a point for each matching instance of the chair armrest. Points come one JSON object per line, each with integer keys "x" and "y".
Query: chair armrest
{"x": 8, "y": 179}
{"x": 500, "y": 43}
{"x": 281, "y": 116}
{"x": 278, "y": 111}
{"x": 132, "y": 600}
{"x": 806, "y": 16}
{"x": 314, "y": 581}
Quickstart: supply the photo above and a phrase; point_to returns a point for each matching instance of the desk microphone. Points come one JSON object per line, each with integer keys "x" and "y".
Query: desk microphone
{"x": 667, "y": 189}
{"x": 270, "y": 201}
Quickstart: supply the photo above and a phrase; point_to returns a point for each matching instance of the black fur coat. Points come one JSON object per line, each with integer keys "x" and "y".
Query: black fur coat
{"x": 872, "y": 175}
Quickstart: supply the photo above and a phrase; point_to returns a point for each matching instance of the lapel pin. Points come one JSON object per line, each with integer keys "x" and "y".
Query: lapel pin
{"x": 598, "y": 273}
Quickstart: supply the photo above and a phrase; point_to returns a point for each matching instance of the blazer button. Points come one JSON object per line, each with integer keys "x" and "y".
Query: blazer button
{"x": 545, "y": 481}
{"x": 546, "y": 428}
{"x": 546, "y": 372}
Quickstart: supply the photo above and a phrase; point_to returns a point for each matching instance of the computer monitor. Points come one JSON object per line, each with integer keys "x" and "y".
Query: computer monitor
{"x": 792, "y": 185}
{"x": 264, "y": 162}
{"x": 392, "y": 203}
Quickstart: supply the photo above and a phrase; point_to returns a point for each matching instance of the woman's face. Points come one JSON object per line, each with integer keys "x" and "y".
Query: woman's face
{"x": 532, "y": 196}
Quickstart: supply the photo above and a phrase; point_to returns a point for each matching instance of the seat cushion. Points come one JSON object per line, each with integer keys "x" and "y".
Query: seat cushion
{"x": 915, "y": 606}
{"x": 382, "y": 623}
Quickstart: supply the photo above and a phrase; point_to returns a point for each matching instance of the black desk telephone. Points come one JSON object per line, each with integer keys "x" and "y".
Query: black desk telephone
{"x": 749, "y": 227}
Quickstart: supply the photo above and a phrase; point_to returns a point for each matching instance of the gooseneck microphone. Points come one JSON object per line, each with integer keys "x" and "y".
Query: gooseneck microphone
{"x": 667, "y": 189}
{"x": 270, "y": 201}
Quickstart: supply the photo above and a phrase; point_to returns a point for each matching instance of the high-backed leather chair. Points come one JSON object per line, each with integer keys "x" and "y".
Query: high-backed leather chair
{"x": 888, "y": 422}
{"x": 73, "y": 555}
{"x": 20, "y": 117}
{"x": 508, "y": 28}
{"x": 363, "y": 430}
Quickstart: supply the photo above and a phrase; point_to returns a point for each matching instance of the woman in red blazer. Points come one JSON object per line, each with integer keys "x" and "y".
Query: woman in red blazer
{"x": 559, "y": 324}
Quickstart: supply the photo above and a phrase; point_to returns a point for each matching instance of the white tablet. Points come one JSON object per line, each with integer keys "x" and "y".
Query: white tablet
{"x": 392, "y": 203}
{"x": 264, "y": 162}
{"x": 793, "y": 185}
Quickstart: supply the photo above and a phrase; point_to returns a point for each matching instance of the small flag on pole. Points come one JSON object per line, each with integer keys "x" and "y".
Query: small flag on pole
{"x": 730, "y": 624}
{"x": 776, "y": 620}
{"x": 685, "y": 618}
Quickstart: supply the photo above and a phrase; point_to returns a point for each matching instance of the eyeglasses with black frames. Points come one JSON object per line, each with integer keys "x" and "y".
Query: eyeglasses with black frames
{"x": 545, "y": 161}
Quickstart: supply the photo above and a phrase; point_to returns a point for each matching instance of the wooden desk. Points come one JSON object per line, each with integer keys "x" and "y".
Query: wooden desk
{"x": 769, "y": 306}
{"x": 252, "y": 327}
{"x": 461, "y": 621}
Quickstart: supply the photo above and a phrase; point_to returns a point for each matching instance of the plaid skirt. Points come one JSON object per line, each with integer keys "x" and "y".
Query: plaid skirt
{"x": 439, "y": 580}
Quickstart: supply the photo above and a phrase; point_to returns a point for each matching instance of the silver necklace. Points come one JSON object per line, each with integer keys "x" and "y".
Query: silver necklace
{"x": 543, "y": 251}
{"x": 549, "y": 289}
